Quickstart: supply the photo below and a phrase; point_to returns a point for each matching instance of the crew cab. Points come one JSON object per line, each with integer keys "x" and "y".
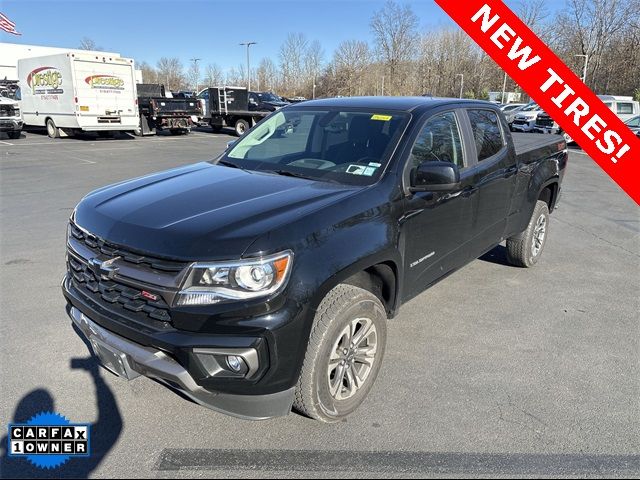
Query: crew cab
{"x": 266, "y": 278}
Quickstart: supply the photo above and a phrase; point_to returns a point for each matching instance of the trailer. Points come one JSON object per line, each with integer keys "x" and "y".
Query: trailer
{"x": 160, "y": 111}
{"x": 229, "y": 106}
{"x": 72, "y": 92}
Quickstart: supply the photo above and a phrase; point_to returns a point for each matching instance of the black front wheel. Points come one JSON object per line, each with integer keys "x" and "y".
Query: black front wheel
{"x": 14, "y": 135}
{"x": 344, "y": 354}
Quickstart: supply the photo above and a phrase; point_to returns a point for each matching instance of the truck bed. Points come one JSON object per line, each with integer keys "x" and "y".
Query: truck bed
{"x": 532, "y": 146}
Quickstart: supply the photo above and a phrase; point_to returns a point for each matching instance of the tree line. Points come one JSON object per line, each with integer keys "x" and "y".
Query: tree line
{"x": 401, "y": 59}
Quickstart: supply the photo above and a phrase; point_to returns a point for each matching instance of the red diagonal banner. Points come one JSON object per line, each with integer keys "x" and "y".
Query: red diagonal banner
{"x": 529, "y": 62}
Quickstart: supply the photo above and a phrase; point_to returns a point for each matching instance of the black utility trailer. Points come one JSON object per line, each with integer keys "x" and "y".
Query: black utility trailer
{"x": 159, "y": 112}
{"x": 229, "y": 106}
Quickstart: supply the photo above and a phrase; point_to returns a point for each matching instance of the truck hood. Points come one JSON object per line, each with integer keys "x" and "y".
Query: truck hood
{"x": 202, "y": 211}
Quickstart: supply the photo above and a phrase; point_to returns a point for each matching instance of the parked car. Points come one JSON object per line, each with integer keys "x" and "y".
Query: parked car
{"x": 524, "y": 120}
{"x": 621, "y": 106}
{"x": 10, "y": 119}
{"x": 634, "y": 125}
{"x": 510, "y": 107}
{"x": 265, "y": 278}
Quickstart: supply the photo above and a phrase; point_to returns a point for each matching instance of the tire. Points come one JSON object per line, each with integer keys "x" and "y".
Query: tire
{"x": 52, "y": 130}
{"x": 567, "y": 138}
{"x": 14, "y": 135}
{"x": 241, "y": 127}
{"x": 178, "y": 131}
{"x": 525, "y": 249}
{"x": 319, "y": 395}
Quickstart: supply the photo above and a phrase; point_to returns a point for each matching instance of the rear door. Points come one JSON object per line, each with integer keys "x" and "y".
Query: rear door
{"x": 105, "y": 88}
{"x": 493, "y": 178}
{"x": 436, "y": 226}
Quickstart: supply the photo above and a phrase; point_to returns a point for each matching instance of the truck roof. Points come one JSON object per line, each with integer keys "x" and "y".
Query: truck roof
{"x": 407, "y": 104}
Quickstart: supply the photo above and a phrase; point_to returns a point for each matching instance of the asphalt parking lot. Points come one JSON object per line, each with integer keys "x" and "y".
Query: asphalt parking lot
{"x": 495, "y": 371}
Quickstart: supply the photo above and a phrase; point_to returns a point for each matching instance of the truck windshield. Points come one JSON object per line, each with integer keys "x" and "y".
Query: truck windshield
{"x": 350, "y": 147}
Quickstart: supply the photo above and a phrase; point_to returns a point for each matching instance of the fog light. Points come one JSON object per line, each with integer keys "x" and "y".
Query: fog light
{"x": 235, "y": 363}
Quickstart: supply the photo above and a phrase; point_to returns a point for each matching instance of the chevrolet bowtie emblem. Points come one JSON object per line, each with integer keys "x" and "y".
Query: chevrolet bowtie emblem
{"x": 105, "y": 270}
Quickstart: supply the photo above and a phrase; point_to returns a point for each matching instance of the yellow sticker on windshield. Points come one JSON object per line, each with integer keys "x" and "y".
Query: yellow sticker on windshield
{"x": 384, "y": 118}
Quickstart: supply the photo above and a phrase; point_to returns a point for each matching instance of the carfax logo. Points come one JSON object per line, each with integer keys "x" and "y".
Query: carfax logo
{"x": 45, "y": 80}
{"x": 108, "y": 82}
{"x": 48, "y": 440}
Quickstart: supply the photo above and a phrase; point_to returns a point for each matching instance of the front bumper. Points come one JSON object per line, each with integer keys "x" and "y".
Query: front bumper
{"x": 545, "y": 129}
{"x": 130, "y": 360}
{"x": 9, "y": 125}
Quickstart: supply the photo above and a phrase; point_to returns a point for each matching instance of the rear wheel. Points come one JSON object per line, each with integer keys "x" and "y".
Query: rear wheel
{"x": 345, "y": 351}
{"x": 52, "y": 130}
{"x": 241, "y": 126}
{"x": 525, "y": 249}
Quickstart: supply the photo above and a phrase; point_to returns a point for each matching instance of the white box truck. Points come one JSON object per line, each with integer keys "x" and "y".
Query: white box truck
{"x": 72, "y": 92}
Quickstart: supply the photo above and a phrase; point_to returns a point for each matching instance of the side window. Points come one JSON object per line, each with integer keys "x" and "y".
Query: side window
{"x": 204, "y": 95}
{"x": 634, "y": 122}
{"x": 439, "y": 141}
{"x": 486, "y": 132}
{"x": 625, "y": 108}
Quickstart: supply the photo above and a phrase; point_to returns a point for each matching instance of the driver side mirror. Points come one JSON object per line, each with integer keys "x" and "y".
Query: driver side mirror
{"x": 435, "y": 177}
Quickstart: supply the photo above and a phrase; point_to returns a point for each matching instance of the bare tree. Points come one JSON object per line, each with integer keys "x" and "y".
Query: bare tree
{"x": 213, "y": 75}
{"x": 350, "y": 61}
{"x": 292, "y": 54}
{"x": 395, "y": 30}
{"x": 170, "y": 72}
{"x": 88, "y": 44}
{"x": 267, "y": 75}
{"x": 149, "y": 74}
{"x": 193, "y": 76}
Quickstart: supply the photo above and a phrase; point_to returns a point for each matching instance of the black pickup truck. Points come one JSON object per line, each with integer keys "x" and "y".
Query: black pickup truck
{"x": 264, "y": 279}
{"x": 160, "y": 111}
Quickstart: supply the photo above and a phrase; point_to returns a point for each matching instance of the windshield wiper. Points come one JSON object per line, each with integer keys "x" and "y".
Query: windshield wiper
{"x": 287, "y": 173}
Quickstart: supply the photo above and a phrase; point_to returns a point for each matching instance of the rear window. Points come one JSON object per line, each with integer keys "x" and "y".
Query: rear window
{"x": 486, "y": 132}
{"x": 625, "y": 108}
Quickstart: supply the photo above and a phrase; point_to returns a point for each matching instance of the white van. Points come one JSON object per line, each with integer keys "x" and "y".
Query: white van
{"x": 69, "y": 92}
{"x": 624, "y": 107}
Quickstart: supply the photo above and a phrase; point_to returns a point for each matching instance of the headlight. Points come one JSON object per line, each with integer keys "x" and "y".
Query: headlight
{"x": 211, "y": 283}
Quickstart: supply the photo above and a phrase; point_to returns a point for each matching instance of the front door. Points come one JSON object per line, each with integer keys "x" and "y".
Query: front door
{"x": 435, "y": 227}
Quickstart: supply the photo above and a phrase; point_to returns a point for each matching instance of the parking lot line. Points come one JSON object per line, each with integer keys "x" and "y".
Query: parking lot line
{"x": 6, "y": 143}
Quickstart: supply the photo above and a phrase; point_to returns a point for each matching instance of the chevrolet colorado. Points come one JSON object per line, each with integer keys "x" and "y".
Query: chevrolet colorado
{"x": 264, "y": 279}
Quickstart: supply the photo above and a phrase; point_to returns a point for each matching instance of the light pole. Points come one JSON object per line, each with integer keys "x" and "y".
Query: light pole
{"x": 248, "y": 44}
{"x": 584, "y": 70}
{"x": 196, "y": 71}
{"x": 504, "y": 86}
{"x": 461, "y": 75}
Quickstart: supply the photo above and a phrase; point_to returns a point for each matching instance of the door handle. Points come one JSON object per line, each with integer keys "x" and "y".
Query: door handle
{"x": 468, "y": 191}
{"x": 510, "y": 172}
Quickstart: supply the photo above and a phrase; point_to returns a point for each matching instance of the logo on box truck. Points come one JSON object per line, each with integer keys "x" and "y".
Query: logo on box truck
{"x": 45, "y": 80}
{"x": 108, "y": 82}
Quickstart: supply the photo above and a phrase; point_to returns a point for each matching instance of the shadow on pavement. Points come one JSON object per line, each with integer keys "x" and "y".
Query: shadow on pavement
{"x": 105, "y": 431}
